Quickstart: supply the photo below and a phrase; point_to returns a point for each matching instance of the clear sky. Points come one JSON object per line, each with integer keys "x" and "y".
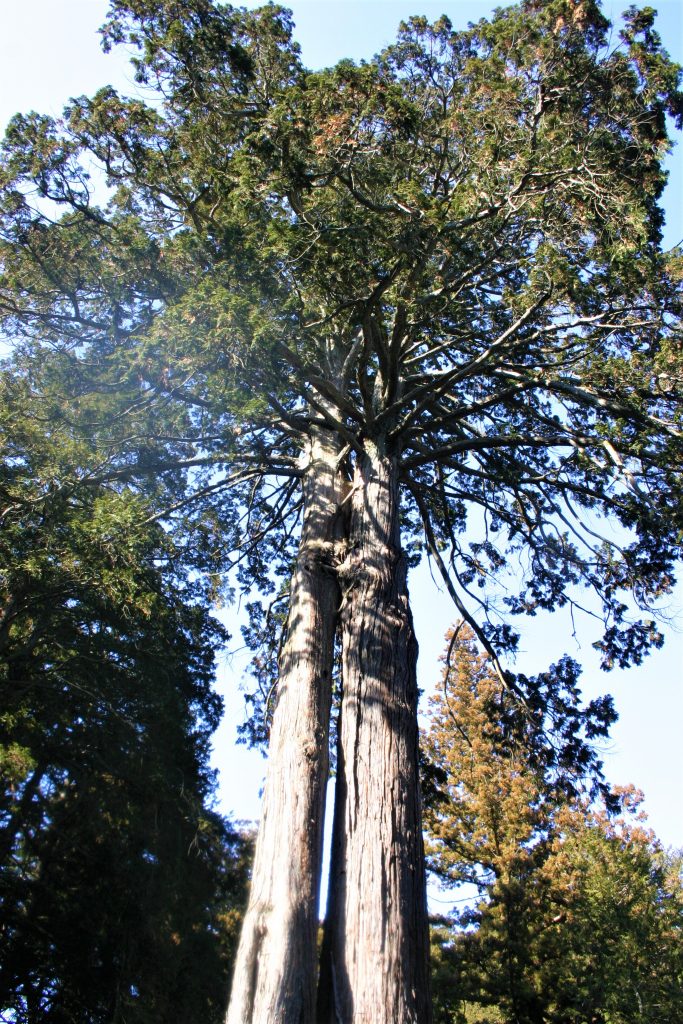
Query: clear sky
{"x": 49, "y": 51}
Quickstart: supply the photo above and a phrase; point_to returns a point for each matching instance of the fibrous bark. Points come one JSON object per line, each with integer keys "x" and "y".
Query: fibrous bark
{"x": 275, "y": 971}
{"x": 374, "y": 966}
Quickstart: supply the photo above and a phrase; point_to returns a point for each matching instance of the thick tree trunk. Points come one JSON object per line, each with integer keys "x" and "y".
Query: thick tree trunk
{"x": 275, "y": 972}
{"x": 374, "y": 966}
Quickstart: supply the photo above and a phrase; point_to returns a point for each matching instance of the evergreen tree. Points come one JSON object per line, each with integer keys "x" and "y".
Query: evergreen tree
{"x": 578, "y": 914}
{"x": 369, "y": 308}
{"x": 120, "y": 888}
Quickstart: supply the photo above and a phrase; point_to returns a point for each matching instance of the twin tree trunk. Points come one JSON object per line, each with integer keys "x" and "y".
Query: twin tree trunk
{"x": 374, "y": 963}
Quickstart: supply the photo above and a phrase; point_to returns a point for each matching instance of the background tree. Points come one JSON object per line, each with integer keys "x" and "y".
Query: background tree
{"x": 578, "y": 915}
{"x": 121, "y": 890}
{"x": 415, "y": 276}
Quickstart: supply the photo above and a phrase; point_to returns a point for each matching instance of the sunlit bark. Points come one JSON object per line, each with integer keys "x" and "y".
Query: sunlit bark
{"x": 275, "y": 973}
{"x": 374, "y": 963}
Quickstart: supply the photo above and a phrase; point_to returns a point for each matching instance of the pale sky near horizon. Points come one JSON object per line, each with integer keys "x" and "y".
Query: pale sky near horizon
{"x": 49, "y": 51}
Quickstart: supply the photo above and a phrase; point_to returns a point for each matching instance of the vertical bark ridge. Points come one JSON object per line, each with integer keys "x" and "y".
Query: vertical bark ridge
{"x": 275, "y": 971}
{"x": 374, "y": 964}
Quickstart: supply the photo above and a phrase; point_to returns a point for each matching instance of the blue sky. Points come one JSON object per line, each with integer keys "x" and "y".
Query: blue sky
{"x": 49, "y": 51}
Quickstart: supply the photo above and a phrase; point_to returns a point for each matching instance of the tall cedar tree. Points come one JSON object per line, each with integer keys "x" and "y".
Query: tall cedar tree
{"x": 368, "y": 308}
{"x": 578, "y": 915}
{"x": 120, "y": 889}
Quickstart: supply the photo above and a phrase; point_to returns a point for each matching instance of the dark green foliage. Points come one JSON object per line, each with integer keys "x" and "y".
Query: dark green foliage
{"x": 120, "y": 889}
{"x": 452, "y": 250}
